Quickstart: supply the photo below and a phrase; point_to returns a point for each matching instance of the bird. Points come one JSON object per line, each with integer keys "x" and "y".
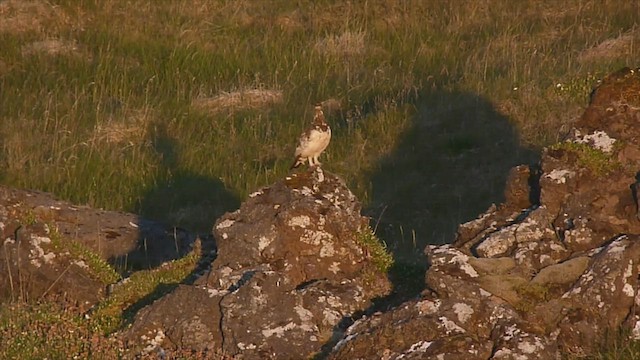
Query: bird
{"x": 313, "y": 141}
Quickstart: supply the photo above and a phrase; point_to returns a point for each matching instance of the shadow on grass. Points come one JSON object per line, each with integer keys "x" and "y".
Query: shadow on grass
{"x": 448, "y": 168}
{"x": 185, "y": 198}
{"x": 184, "y": 208}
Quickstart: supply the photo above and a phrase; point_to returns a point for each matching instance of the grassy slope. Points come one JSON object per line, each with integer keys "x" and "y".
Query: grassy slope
{"x": 128, "y": 105}
{"x": 424, "y": 89}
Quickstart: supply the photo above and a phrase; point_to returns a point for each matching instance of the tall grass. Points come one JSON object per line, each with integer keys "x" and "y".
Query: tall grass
{"x": 112, "y": 119}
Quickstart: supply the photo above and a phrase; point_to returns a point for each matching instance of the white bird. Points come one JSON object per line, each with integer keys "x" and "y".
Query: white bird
{"x": 313, "y": 141}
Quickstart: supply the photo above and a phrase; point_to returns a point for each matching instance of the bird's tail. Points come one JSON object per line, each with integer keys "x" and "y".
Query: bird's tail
{"x": 296, "y": 163}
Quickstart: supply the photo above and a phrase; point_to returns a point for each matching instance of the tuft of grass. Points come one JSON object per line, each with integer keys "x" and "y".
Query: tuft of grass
{"x": 376, "y": 249}
{"x": 140, "y": 289}
{"x": 599, "y": 162}
{"x": 47, "y": 331}
{"x": 97, "y": 266}
{"x": 531, "y": 294}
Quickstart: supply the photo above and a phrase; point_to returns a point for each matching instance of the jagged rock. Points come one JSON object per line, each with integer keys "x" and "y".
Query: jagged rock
{"x": 291, "y": 266}
{"x": 538, "y": 282}
{"x": 52, "y": 247}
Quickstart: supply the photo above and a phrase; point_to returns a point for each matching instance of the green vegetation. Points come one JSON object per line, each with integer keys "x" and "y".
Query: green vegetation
{"x": 531, "y": 294}
{"x": 97, "y": 266}
{"x": 593, "y": 159}
{"x": 141, "y": 289}
{"x": 47, "y": 331}
{"x": 375, "y": 249}
{"x": 187, "y": 106}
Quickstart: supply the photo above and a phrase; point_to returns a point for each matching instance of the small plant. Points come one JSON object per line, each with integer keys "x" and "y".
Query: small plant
{"x": 599, "y": 162}
{"x": 376, "y": 249}
{"x": 531, "y": 294}
{"x": 151, "y": 284}
{"x": 97, "y": 266}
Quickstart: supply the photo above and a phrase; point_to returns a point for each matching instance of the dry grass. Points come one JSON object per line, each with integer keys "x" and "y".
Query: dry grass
{"x": 22, "y": 16}
{"x": 238, "y": 100}
{"x": 619, "y": 46}
{"x": 348, "y": 44}
{"x": 188, "y": 106}
{"x": 129, "y": 128}
{"x": 50, "y": 47}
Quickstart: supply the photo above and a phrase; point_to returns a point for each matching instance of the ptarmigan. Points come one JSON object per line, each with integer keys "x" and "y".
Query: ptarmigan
{"x": 313, "y": 141}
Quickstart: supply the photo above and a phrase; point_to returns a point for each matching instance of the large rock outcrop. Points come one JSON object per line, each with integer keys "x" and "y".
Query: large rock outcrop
{"x": 534, "y": 279}
{"x": 52, "y": 247}
{"x": 293, "y": 262}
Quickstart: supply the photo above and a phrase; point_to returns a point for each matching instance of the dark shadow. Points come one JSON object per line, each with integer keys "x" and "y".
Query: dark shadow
{"x": 173, "y": 215}
{"x": 185, "y": 199}
{"x": 449, "y": 166}
{"x": 175, "y": 212}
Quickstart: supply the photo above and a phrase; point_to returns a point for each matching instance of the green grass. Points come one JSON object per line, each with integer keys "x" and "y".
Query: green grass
{"x": 141, "y": 289}
{"x": 376, "y": 250}
{"x": 97, "y": 266}
{"x": 39, "y": 331}
{"x": 112, "y": 124}
{"x": 437, "y": 100}
{"x": 599, "y": 162}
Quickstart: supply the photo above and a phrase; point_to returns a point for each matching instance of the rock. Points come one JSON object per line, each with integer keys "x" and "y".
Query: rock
{"x": 563, "y": 273}
{"x": 536, "y": 280}
{"x": 292, "y": 264}
{"x": 52, "y": 247}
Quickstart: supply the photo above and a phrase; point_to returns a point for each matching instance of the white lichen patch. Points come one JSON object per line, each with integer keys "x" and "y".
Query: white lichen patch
{"x": 48, "y": 257}
{"x": 419, "y": 347}
{"x": 243, "y": 346}
{"x": 225, "y": 224}
{"x": 313, "y": 237}
{"x": 263, "y": 242}
{"x": 330, "y": 317}
{"x": 36, "y": 253}
{"x": 581, "y": 234}
{"x": 278, "y": 331}
{"x": 327, "y": 249}
{"x": 617, "y": 248}
{"x": 82, "y": 264}
{"x": 428, "y": 307}
{"x": 299, "y": 221}
{"x": 627, "y": 289}
{"x": 154, "y": 343}
{"x": 498, "y": 244}
{"x": 216, "y": 292}
{"x": 635, "y": 333}
{"x": 463, "y": 311}
{"x": 450, "y": 326}
{"x": 478, "y": 221}
{"x": 599, "y": 140}
{"x": 445, "y": 254}
{"x": 304, "y": 314}
{"x": 559, "y": 176}
{"x": 335, "y": 267}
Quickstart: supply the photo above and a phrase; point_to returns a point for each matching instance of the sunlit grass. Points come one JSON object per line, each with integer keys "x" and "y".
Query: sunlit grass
{"x": 189, "y": 97}
{"x": 186, "y": 107}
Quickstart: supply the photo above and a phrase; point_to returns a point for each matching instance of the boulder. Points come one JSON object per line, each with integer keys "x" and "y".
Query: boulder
{"x": 294, "y": 262}
{"x": 52, "y": 247}
{"x": 536, "y": 280}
